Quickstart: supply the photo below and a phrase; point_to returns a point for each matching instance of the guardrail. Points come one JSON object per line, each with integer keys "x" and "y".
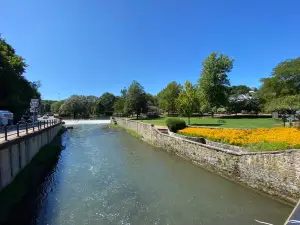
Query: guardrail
{"x": 7, "y": 131}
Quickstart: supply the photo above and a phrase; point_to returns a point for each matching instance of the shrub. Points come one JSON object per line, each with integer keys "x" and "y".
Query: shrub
{"x": 175, "y": 124}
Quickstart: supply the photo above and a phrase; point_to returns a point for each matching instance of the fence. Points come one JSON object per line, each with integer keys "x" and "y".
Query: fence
{"x": 20, "y": 129}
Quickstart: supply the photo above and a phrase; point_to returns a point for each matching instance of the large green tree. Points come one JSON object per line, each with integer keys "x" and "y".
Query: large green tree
{"x": 168, "y": 96}
{"x": 136, "y": 99}
{"x": 214, "y": 83}
{"x": 107, "y": 101}
{"x": 187, "y": 101}
{"x": 284, "y": 81}
{"x": 56, "y": 106}
{"x": 15, "y": 90}
{"x": 76, "y": 105}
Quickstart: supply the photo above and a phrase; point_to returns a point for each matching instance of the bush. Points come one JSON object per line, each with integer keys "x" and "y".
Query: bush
{"x": 175, "y": 124}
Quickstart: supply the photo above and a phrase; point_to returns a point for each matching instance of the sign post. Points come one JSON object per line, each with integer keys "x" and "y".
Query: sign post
{"x": 34, "y": 104}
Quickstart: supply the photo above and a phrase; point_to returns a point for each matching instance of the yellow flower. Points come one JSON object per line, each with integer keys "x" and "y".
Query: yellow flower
{"x": 291, "y": 136}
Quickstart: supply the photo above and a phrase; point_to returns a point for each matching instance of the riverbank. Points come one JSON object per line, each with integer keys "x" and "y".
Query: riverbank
{"x": 274, "y": 173}
{"x": 30, "y": 176}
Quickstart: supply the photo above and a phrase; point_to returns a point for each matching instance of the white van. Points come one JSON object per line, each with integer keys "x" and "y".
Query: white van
{"x": 6, "y": 118}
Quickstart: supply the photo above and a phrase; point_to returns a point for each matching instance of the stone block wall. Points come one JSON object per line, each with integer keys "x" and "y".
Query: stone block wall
{"x": 16, "y": 154}
{"x": 276, "y": 173}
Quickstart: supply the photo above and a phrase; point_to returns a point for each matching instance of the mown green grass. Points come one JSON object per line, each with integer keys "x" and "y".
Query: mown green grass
{"x": 224, "y": 123}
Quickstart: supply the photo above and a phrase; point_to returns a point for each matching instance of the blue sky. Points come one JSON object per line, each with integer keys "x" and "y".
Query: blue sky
{"x": 92, "y": 46}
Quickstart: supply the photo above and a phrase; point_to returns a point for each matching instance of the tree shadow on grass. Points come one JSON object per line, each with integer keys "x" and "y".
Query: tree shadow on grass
{"x": 208, "y": 124}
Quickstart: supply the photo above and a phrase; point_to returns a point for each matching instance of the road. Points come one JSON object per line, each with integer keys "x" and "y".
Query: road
{"x": 12, "y": 130}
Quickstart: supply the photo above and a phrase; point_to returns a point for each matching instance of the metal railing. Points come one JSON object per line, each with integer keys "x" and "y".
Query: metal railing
{"x": 20, "y": 129}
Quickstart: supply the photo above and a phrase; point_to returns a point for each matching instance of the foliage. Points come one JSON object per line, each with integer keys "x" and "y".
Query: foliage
{"x": 290, "y": 136}
{"x": 15, "y": 90}
{"x": 213, "y": 83}
{"x": 243, "y": 102}
{"x": 152, "y": 100}
{"x": 45, "y": 106}
{"x": 285, "y": 104}
{"x": 56, "y": 106}
{"x": 239, "y": 89}
{"x": 76, "y": 105}
{"x": 187, "y": 101}
{"x": 153, "y": 112}
{"x": 175, "y": 124}
{"x": 135, "y": 99}
{"x": 284, "y": 81}
{"x": 168, "y": 96}
{"x": 105, "y": 104}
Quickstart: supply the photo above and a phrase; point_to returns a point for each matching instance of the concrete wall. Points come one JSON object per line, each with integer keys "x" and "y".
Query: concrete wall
{"x": 276, "y": 173}
{"x": 16, "y": 154}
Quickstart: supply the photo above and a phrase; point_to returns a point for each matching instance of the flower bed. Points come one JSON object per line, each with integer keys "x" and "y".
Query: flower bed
{"x": 254, "y": 139}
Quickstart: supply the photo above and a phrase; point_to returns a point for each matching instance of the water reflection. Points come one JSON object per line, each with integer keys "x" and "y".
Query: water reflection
{"x": 106, "y": 176}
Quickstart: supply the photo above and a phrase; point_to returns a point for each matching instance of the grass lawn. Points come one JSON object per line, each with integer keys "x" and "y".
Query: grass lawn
{"x": 229, "y": 123}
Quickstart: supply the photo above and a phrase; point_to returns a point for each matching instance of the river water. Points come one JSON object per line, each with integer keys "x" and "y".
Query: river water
{"x": 106, "y": 176}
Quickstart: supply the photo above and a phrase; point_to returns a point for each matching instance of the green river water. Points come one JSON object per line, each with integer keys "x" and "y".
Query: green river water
{"x": 106, "y": 176}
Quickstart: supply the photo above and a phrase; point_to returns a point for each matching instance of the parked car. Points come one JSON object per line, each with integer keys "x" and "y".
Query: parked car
{"x": 45, "y": 117}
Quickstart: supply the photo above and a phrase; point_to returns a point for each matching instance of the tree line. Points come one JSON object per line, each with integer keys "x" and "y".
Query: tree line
{"x": 211, "y": 93}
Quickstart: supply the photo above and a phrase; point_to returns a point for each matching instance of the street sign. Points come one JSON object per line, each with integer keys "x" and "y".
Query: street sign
{"x": 35, "y": 100}
{"x": 34, "y": 110}
{"x": 34, "y": 104}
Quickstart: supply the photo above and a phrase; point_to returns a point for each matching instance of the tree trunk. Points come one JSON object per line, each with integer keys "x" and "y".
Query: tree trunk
{"x": 189, "y": 121}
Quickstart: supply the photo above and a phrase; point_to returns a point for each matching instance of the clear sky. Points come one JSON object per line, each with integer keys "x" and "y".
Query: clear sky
{"x": 92, "y": 46}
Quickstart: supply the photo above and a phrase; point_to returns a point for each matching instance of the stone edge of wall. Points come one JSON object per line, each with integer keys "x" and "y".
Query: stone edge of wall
{"x": 5, "y": 144}
{"x": 275, "y": 173}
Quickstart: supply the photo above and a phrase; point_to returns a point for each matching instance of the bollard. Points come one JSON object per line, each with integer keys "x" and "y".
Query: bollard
{"x": 18, "y": 131}
{"x": 33, "y": 126}
{"x": 26, "y": 127}
{"x": 5, "y": 131}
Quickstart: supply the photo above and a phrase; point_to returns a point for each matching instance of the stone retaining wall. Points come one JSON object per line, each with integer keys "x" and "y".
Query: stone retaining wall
{"x": 276, "y": 173}
{"x": 16, "y": 154}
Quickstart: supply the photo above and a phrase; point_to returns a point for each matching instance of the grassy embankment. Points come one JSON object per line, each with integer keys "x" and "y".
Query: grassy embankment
{"x": 132, "y": 132}
{"x": 30, "y": 177}
{"x": 222, "y": 123}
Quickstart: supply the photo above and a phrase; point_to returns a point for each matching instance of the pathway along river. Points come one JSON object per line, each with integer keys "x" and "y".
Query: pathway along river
{"x": 106, "y": 176}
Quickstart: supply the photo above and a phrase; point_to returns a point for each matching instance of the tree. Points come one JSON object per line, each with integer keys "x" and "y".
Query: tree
{"x": 107, "y": 100}
{"x": 45, "y": 106}
{"x": 136, "y": 99}
{"x": 284, "y": 81}
{"x": 239, "y": 89}
{"x": 213, "y": 83}
{"x": 91, "y": 99}
{"x": 76, "y": 105}
{"x": 15, "y": 90}
{"x": 56, "y": 106}
{"x": 187, "y": 101}
{"x": 152, "y": 100}
{"x": 119, "y": 105}
{"x": 168, "y": 96}
{"x": 284, "y": 104}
